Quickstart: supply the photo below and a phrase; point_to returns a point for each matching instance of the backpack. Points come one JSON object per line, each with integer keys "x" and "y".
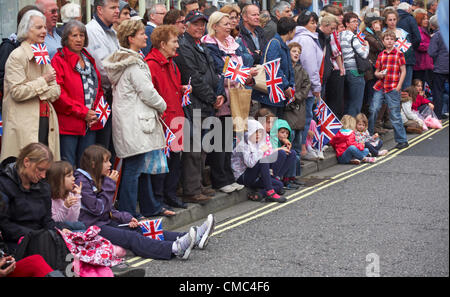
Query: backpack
{"x": 47, "y": 243}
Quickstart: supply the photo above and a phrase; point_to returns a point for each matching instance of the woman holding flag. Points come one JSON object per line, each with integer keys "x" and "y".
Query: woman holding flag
{"x": 30, "y": 89}
{"x": 166, "y": 79}
{"x": 226, "y": 54}
{"x": 137, "y": 129}
{"x": 81, "y": 92}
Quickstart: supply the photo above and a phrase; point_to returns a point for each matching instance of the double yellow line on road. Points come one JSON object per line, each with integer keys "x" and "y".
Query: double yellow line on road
{"x": 271, "y": 207}
{"x": 320, "y": 186}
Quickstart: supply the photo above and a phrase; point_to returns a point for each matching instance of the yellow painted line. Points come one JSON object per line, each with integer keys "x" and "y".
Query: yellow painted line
{"x": 296, "y": 194}
{"x": 387, "y": 158}
{"x": 133, "y": 259}
{"x": 141, "y": 263}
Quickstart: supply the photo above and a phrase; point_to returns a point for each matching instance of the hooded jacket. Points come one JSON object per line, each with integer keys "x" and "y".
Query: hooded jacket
{"x": 137, "y": 106}
{"x": 26, "y": 210}
{"x": 343, "y": 140}
{"x": 247, "y": 154}
{"x": 279, "y": 123}
{"x": 311, "y": 57}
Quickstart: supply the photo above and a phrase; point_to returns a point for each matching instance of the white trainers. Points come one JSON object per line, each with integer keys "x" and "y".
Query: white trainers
{"x": 320, "y": 155}
{"x": 185, "y": 244}
{"x": 382, "y": 153}
{"x": 237, "y": 186}
{"x": 227, "y": 189}
{"x": 311, "y": 156}
{"x": 204, "y": 232}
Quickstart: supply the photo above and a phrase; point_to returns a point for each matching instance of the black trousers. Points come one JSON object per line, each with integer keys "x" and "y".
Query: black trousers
{"x": 334, "y": 93}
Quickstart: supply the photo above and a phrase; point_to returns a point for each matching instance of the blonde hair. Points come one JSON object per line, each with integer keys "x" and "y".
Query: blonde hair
{"x": 360, "y": 117}
{"x": 36, "y": 153}
{"x": 348, "y": 122}
{"x": 214, "y": 19}
{"x": 326, "y": 19}
{"x": 128, "y": 28}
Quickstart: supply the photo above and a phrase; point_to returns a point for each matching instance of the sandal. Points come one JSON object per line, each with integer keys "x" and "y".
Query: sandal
{"x": 255, "y": 196}
{"x": 167, "y": 213}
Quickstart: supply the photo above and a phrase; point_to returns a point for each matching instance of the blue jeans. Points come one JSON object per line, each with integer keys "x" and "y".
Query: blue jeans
{"x": 136, "y": 185}
{"x": 408, "y": 77}
{"x": 309, "y": 116}
{"x": 297, "y": 136}
{"x": 352, "y": 152}
{"x": 73, "y": 146}
{"x": 393, "y": 101}
{"x": 354, "y": 89}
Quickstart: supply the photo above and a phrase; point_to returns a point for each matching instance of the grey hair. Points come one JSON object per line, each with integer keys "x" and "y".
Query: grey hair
{"x": 430, "y": 3}
{"x": 68, "y": 30}
{"x": 434, "y": 21}
{"x": 26, "y": 23}
{"x": 152, "y": 9}
{"x": 280, "y": 7}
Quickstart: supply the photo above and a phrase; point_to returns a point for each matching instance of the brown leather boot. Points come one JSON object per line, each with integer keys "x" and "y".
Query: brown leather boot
{"x": 198, "y": 198}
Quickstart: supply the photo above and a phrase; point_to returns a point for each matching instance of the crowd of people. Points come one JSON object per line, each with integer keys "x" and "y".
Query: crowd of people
{"x": 147, "y": 92}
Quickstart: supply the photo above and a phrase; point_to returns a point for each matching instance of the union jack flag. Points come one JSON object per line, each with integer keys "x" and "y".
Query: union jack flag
{"x": 185, "y": 100}
{"x": 152, "y": 229}
{"x": 103, "y": 110}
{"x": 292, "y": 99}
{"x": 427, "y": 89}
{"x": 403, "y": 45}
{"x": 236, "y": 72}
{"x": 41, "y": 54}
{"x": 327, "y": 126}
{"x": 170, "y": 137}
{"x": 273, "y": 82}
{"x": 1, "y": 125}
{"x": 361, "y": 36}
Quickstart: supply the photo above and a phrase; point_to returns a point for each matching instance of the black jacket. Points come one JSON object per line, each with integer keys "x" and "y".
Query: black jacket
{"x": 6, "y": 49}
{"x": 408, "y": 23}
{"x": 195, "y": 62}
{"x": 249, "y": 44}
{"x": 328, "y": 66}
{"x": 26, "y": 210}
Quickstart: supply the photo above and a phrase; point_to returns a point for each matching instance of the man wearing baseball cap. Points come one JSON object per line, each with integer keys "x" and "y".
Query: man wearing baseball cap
{"x": 197, "y": 66}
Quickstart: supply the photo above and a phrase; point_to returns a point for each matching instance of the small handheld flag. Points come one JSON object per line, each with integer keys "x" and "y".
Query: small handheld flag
{"x": 103, "y": 110}
{"x": 169, "y": 137}
{"x": 152, "y": 229}
{"x": 361, "y": 36}
{"x": 236, "y": 72}
{"x": 402, "y": 45}
{"x": 427, "y": 89}
{"x": 185, "y": 100}
{"x": 41, "y": 55}
{"x": 274, "y": 82}
{"x": 1, "y": 125}
{"x": 292, "y": 99}
{"x": 327, "y": 126}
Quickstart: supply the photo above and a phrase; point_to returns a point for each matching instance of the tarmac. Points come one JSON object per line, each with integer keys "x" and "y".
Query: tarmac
{"x": 196, "y": 212}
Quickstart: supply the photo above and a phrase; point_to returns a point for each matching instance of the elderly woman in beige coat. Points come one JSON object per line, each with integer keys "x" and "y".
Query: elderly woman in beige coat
{"x": 30, "y": 89}
{"x": 136, "y": 128}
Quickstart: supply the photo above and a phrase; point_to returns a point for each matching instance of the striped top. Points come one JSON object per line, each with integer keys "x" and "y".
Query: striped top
{"x": 346, "y": 37}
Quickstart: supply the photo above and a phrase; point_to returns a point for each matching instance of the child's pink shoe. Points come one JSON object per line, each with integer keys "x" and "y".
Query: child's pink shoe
{"x": 382, "y": 153}
{"x": 369, "y": 159}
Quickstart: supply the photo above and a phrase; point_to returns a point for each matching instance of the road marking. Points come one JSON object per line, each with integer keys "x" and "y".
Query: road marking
{"x": 297, "y": 196}
{"x": 318, "y": 187}
{"x": 358, "y": 168}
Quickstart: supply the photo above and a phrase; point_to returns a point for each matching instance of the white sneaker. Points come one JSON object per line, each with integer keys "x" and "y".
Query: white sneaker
{"x": 204, "y": 232}
{"x": 310, "y": 155}
{"x": 184, "y": 250}
{"x": 320, "y": 155}
{"x": 227, "y": 189}
{"x": 237, "y": 186}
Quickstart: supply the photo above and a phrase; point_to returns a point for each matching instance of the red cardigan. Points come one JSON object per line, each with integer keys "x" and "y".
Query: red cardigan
{"x": 420, "y": 100}
{"x": 166, "y": 79}
{"x": 70, "y": 107}
{"x": 343, "y": 140}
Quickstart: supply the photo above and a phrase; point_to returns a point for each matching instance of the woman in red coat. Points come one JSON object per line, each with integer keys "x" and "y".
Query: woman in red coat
{"x": 81, "y": 91}
{"x": 166, "y": 79}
